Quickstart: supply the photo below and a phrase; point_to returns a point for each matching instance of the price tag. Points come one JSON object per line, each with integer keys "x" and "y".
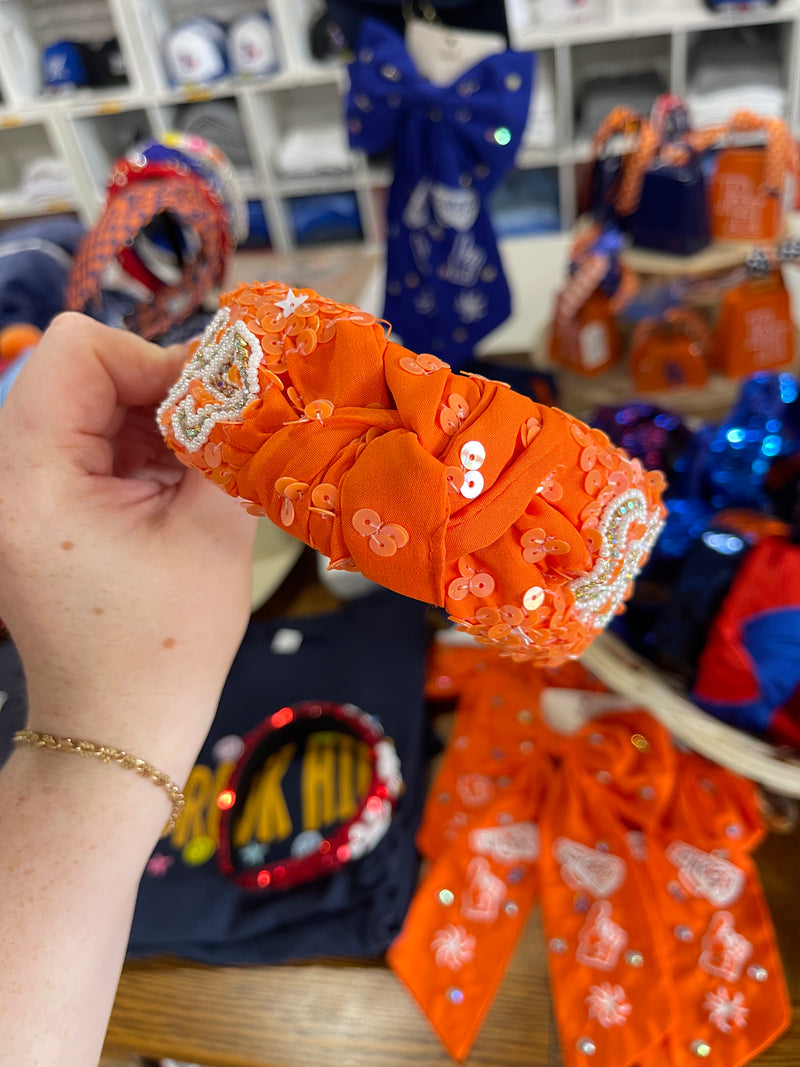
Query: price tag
{"x": 197, "y": 92}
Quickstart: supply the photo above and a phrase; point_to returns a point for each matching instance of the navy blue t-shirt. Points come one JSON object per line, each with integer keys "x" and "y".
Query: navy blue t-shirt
{"x": 370, "y": 653}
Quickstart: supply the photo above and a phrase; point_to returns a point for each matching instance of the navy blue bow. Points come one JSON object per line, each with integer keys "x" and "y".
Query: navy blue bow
{"x": 445, "y": 287}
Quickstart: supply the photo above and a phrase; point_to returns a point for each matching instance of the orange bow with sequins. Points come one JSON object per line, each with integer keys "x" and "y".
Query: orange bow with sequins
{"x": 660, "y": 947}
{"x": 525, "y": 524}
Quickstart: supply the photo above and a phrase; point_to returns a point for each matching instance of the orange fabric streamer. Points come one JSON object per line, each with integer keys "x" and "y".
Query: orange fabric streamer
{"x": 525, "y": 524}
{"x": 781, "y": 149}
{"x": 660, "y": 947}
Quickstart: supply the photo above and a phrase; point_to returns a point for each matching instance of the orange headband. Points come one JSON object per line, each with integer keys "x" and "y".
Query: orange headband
{"x": 525, "y": 524}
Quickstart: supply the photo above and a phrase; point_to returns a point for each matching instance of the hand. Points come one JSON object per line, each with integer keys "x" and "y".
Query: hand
{"x": 124, "y": 577}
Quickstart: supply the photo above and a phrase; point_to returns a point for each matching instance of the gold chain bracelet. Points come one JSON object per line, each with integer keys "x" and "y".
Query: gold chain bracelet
{"x": 107, "y": 754}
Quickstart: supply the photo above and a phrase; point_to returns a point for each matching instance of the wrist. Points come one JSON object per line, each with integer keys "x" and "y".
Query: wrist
{"x": 86, "y": 801}
{"x": 166, "y": 733}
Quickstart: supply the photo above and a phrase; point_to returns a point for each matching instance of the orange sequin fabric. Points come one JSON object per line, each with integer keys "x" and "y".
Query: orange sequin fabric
{"x": 526, "y": 525}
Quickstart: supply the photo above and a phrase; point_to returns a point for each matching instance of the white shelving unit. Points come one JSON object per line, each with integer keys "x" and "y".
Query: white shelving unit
{"x": 86, "y": 129}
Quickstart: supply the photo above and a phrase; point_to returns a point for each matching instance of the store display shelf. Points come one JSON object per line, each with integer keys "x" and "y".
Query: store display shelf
{"x": 14, "y": 205}
{"x": 378, "y": 177}
{"x": 84, "y": 103}
{"x": 309, "y": 185}
{"x": 304, "y": 94}
{"x": 225, "y": 87}
{"x": 12, "y": 117}
{"x": 646, "y": 21}
{"x": 249, "y": 184}
{"x": 530, "y": 158}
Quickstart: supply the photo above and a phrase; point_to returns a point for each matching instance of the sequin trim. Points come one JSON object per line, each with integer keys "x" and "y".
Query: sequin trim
{"x": 226, "y": 367}
{"x": 599, "y": 594}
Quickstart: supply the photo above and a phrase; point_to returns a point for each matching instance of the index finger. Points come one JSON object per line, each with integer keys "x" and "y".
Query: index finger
{"x": 83, "y": 372}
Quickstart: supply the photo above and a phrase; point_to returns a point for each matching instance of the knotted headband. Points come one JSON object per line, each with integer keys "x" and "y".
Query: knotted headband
{"x": 525, "y": 524}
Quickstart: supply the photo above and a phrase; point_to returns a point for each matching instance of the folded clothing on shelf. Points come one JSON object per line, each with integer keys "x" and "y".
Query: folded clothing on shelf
{"x": 46, "y": 178}
{"x": 636, "y": 91}
{"x": 735, "y": 69}
{"x": 526, "y": 202}
{"x": 35, "y": 261}
{"x": 219, "y": 122}
{"x": 715, "y": 108}
{"x": 325, "y": 218}
{"x": 313, "y": 150}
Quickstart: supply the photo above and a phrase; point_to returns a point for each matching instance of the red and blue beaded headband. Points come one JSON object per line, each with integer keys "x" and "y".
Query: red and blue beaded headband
{"x": 311, "y": 855}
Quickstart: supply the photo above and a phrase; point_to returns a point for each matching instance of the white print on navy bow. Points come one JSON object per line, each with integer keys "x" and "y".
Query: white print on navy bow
{"x": 471, "y": 306}
{"x": 598, "y": 873}
{"x": 425, "y": 302}
{"x": 421, "y": 250}
{"x": 715, "y": 879}
{"x": 484, "y": 893}
{"x": 465, "y": 262}
{"x": 452, "y": 207}
{"x": 453, "y": 947}
{"x": 515, "y": 843}
{"x": 601, "y": 940}
{"x": 417, "y": 214}
{"x": 608, "y": 1005}
{"x": 725, "y": 950}
{"x": 725, "y": 1011}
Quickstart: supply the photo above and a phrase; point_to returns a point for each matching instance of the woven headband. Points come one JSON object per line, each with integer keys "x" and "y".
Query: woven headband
{"x": 125, "y": 215}
{"x": 526, "y": 525}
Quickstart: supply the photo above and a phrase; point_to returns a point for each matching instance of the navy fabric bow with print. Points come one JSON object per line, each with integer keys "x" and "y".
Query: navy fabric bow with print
{"x": 445, "y": 287}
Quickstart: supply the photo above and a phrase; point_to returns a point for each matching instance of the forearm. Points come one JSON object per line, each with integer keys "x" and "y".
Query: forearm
{"x": 76, "y": 836}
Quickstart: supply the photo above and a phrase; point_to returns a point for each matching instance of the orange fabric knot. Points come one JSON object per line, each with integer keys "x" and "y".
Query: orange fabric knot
{"x": 527, "y": 526}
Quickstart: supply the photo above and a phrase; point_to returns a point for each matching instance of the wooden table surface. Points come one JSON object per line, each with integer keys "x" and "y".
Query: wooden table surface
{"x": 359, "y": 1015}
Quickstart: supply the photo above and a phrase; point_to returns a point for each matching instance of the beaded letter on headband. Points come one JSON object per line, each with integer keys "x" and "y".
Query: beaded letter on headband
{"x": 528, "y": 526}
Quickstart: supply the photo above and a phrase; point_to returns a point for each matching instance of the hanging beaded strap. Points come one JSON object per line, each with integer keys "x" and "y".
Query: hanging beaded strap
{"x": 107, "y": 754}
